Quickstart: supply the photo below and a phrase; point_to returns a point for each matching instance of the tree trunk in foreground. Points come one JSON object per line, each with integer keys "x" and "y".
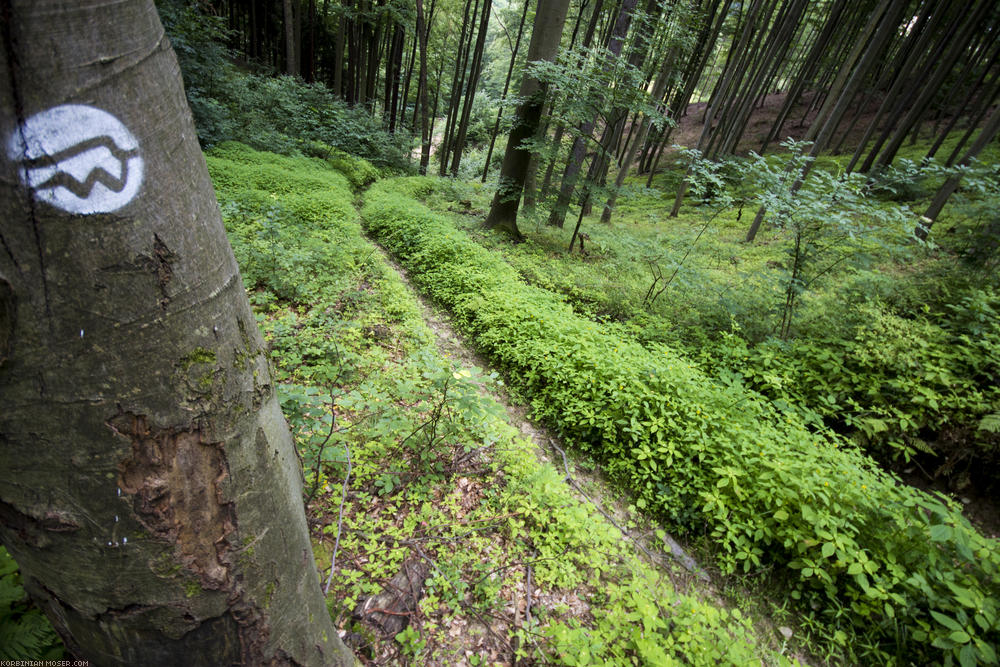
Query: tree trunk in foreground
{"x": 549, "y": 19}
{"x": 149, "y": 488}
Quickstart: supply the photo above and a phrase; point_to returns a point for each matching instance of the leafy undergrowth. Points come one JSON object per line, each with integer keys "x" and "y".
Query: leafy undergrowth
{"x": 25, "y": 632}
{"x": 893, "y": 573}
{"x": 451, "y": 542}
{"x": 895, "y": 344}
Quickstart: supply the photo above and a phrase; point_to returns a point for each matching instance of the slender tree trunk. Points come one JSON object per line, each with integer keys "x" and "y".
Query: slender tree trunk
{"x": 458, "y": 81}
{"x": 973, "y": 124}
{"x": 291, "y": 46}
{"x": 930, "y": 87}
{"x": 658, "y": 89}
{"x": 406, "y": 84}
{"x": 550, "y": 16}
{"x": 150, "y": 490}
{"x": 988, "y": 133}
{"x": 338, "y": 58}
{"x": 986, "y": 101}
{"x": 470, "y": 91}
{"x": 429, "y": 20}
{"x": 572, "y": 171}
{"x": 392, "y": 81}
{"x": 506, "y": 87}
{"x": 827, "y": 122}
{"x": 588, "y": 37}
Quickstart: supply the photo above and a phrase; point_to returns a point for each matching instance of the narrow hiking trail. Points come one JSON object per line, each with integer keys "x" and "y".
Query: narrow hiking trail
{"x": 590, "y": 485}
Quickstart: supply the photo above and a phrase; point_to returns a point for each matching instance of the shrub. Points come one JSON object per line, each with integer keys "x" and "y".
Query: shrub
{"x": 710, "y": 456}
{"x": 275, "y": 113}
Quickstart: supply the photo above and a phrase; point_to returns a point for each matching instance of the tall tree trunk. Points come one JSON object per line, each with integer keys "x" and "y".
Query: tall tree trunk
{"x": 549, "y": 19}
{"x": 457, "y": 82}
{"x": 986, "y": 100}
{"x": 588, "y": 37}
{"x": 988, "y": 133}
{"x": 930, "y": 87}
{"x": 291, "y": 46}
{"x": 338, "y": 57}
{"x": 422, "y": 100}
{"x": 394, "y": 65}
{"x": 470, "y": 90}
{"x": 577, "y": 154}
{"x": 506, "y": 87}
{"x": 150, "y": 489}
{"x": 826, "y": 123}
{"x": 640, "y": 138}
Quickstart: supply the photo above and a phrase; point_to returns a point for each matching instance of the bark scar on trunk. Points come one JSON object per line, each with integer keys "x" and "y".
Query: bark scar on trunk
{"x": 174, "y": 478}
{"x": 163, "y": 258}
{"x": 31, "y": 529}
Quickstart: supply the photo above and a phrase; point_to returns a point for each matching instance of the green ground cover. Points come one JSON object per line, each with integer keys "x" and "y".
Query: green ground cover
{"x": 894, "y": 343}
{"x": 894, "y": 573}
{"x": 428, "y": 468}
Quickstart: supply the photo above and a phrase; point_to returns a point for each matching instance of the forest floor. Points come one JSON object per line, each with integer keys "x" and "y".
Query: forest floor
{"x": 796, "y": 125}
{"x": 589, "y": 485}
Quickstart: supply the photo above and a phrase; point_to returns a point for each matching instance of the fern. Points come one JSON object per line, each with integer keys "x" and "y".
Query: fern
{"x": 990, "y": 423}
{"x": 25, "y": 632}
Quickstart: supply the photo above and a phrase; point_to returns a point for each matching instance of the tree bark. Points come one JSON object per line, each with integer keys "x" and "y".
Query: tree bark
{"x": 506, "y": 87}
{"x": 422, "y": 100}
{"x": 549, "y": 19}
{"x": 149, "y": 488}
{"x": 291, "y": 47}
{"x": 986, "y": 135}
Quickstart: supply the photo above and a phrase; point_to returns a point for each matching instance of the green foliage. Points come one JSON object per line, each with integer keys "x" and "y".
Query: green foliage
{"x": 276, "y": 113}
{"x": 359, "y": 381}
{"x": 631, "y": 628}
{"x": 25, "y": 632}
{"x": 895, "y": 381}
{"x": 874, "y": 557}
{"x": 831, "y": 219}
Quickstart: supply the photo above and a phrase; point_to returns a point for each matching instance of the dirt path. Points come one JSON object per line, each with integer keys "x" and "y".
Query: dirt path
{"x": 587, "y": 481}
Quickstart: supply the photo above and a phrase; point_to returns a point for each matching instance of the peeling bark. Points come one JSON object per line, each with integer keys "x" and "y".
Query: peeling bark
{"x": 175, "y": 481}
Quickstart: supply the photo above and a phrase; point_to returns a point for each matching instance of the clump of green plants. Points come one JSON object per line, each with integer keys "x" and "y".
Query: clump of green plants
{"x": 871, "y": 557}
{"x": 406, "y": 460}
{"x": 275, "y": 113}
{"x": 25, "y": 632}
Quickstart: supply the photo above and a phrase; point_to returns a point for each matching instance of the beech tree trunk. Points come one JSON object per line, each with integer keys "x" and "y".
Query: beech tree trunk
{"x": 422, "y": 101}
{"x": 549, "y": 19}
{"x": 988, "y": 133}
{"x": 291, "y": 46}
{"x": 149, "y": 488}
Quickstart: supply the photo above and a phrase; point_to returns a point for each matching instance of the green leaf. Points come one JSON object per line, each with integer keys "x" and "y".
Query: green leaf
{"x": 990, "y": 423}
{"x": 829, "y": 548}
{"x": 781, "y": 515}
{"x": 987, "y": 651}
{"x": 941, "y": 533}
{"x": 960, "y": 637}
{"x": 967, "y": 656}
{"x": 946, "y": 621}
